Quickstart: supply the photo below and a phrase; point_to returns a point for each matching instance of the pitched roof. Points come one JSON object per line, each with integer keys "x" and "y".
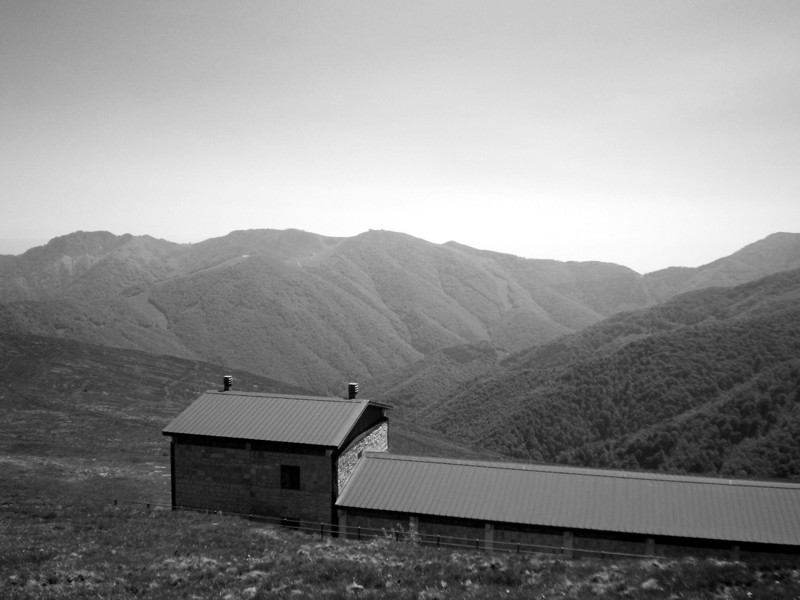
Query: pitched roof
{"x": 565, "y": 497}
{"x": 270, "y": 417}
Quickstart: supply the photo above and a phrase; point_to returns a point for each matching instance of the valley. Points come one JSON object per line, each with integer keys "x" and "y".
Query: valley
{"x": 104, "y": 339}
{"x": 481, "y": 354}
{"x": 315, "y": 311}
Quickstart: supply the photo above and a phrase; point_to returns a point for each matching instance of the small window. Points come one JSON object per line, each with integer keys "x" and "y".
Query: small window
{"x": 290, "y": 477}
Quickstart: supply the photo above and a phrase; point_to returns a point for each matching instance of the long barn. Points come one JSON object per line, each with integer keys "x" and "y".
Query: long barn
{"x": 507, "y": 505}
{"x": 326, "y": 460}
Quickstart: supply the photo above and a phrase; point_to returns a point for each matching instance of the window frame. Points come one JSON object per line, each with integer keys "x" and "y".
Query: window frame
{"x": 290, "y": 477}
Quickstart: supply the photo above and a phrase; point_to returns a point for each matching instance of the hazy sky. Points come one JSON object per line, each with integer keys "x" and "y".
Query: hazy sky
{"x": 643, "y": 133}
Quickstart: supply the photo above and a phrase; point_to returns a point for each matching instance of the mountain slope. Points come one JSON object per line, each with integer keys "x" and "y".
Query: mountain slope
{"x": 304, "y": 308}
{"x": 708, "y": 382}
{"x": 70, "y": 399}
{"x": 314, "y": 310}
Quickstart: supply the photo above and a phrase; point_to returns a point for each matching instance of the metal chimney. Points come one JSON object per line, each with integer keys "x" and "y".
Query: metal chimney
{"x": 352, "y": 390}
{"x": 227, "y": 383}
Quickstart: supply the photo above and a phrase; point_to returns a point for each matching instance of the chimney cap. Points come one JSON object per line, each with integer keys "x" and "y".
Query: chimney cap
{"x": 352, "y": 390}
{"x": 227, "y": 383}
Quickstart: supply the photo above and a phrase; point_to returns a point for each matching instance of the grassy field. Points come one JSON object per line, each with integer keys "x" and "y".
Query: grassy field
{"x": 85, "y": 549}
{"x": 78, "y": 430}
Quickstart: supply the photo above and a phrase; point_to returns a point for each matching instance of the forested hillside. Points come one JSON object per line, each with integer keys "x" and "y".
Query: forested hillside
{"x": 707, "y": 383}
{"x": 317, "y": 311}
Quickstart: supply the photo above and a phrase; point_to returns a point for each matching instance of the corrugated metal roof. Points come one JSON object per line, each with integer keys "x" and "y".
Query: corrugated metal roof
{"x": 573, "y": 498}
{"x": 270, "y": 417}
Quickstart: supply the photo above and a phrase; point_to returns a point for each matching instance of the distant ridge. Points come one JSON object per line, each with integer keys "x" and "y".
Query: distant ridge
{"x": 313, "y": 310}
{"x": 775, "y": 253}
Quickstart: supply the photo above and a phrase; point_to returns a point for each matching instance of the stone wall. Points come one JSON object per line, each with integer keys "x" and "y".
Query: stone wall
{"x": 374, "y": 440}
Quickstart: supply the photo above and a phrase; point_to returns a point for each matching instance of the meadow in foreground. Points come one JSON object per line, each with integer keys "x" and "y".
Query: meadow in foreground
{"x": 89, "y": 549}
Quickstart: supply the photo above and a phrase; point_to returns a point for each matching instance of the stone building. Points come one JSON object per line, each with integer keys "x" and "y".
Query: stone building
{"x": 271, "y": 455}
{"x": 311, "y": 460}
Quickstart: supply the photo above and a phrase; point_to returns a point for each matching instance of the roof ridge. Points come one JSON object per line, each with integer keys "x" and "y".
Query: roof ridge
{"x": 590, "y": 471}
{"x": 288, "y": 396}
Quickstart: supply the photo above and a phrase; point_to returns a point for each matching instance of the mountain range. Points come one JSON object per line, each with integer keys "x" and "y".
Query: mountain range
{"x": 315, "y": 311}
{"x": 684, "y": 369}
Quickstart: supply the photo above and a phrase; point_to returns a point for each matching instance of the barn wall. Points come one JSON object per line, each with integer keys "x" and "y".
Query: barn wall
{"x": 237, "y": 477}
{"x": 450, "y": 531}
{"x": 611, "y": 542}
{"x": 312, "y": 502}
{"x": 545, "y": 538}
{"x": 754, "y": 552}
{"x": 376, "y": 523}
{"x": 212, "y": 475}
{"x": 714, "y": 548}
{"x": 571, "y": 543}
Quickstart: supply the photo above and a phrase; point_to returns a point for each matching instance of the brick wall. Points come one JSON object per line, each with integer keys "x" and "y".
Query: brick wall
{"x": 375, "y": 440}
{"x": 234, "y": 477}
{"x": 212, "y": 476}
{"x": 312, "y": 502}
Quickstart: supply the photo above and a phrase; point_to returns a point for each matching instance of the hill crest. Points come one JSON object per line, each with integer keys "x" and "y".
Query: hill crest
{"x": 315, "y": 310}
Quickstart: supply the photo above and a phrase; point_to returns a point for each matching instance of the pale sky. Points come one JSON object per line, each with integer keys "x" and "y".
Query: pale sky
{"x": 645, "y": 133}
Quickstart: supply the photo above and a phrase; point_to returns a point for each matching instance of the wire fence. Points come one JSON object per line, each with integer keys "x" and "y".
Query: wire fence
{"x": 399, "y": 534}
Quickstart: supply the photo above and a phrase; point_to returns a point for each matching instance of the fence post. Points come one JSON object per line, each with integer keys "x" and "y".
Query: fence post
{"x": 438, "y": 538}
{"x": 567, "y": 544}
{"x": 736, "y": 553}
{"x": 488, "y": 537}
{"x": 358, "y": 534}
